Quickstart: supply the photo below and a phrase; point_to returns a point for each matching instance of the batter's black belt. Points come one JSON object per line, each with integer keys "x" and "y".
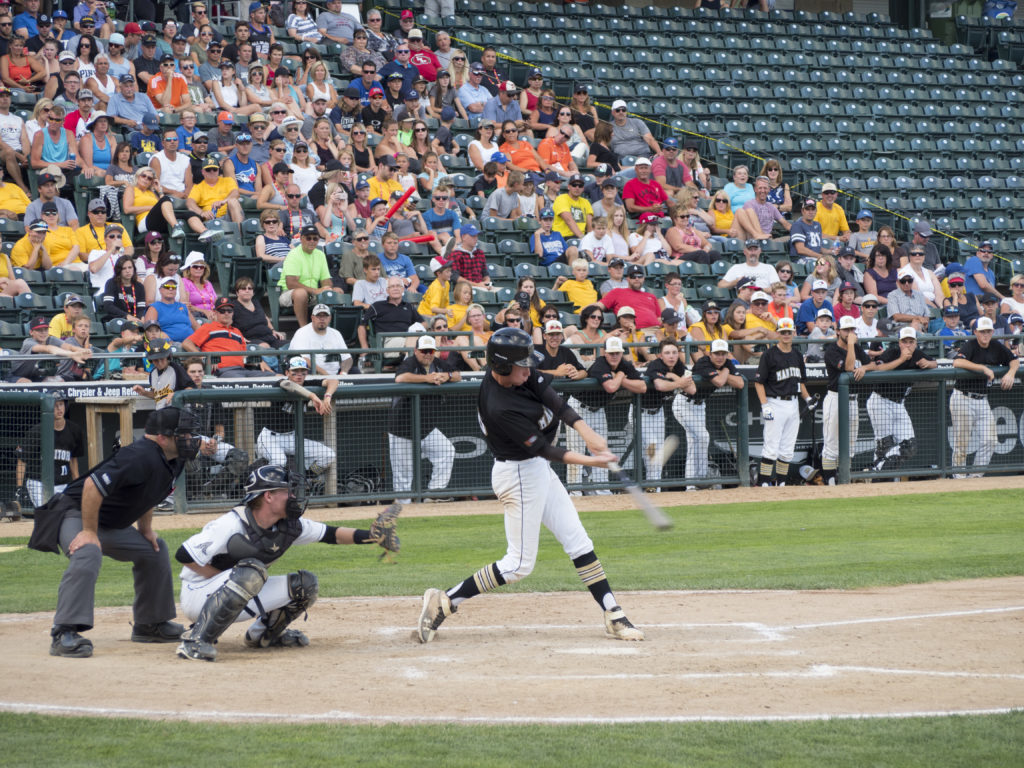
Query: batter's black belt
{"x": 973, "y": 395}
{"x": 782, "y": 397}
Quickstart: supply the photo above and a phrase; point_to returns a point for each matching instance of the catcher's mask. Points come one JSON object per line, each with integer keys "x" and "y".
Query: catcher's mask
{"x": 272, "y": 477}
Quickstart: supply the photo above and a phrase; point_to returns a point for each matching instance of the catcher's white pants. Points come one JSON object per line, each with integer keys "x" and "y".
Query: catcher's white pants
{"x": 780, "y": 433}
{"x": 573, "y": 442}
{"x": 889, "y": 418}
{"x": 967, "y": 414}
{"x": 276, "y": 447}
{"x": 652, "y": 436}
{"x": 436, "y": 448}
{"x": 693, "y": 419}
{"x": 597, "y": 421}
{"x": 34, "y": 488}
{"x": 531, "y": 494}
{"x": 273, "y": 595}
{"x": 830, "y": 426}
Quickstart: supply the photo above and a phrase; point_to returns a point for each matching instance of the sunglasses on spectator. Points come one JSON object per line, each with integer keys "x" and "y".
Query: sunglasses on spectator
{"x": 268, "y": 222}
{"x": 278, "y": 112}
{"x": 293, "y": 197}
{"x": 830, "y": 192}
{"x": 364, "y": 238}
{"x": 906, "y": 279}
{"x": 277, "y": 149}
{"x": 420, "y": 130}
{"x": 785, "y": 271}
{"x": 721, "y": 200}
{"x": 576, "y": 184}
{"x": 619, "y": 109}
{"x": 441, "y": 198}
{"x": 869, "y": 305}
{"x": 402, "y": 50}
{"x": 458, "y": 58}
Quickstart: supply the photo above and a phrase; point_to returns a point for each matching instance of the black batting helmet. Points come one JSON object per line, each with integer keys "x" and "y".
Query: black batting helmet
{"x": 510, "y": 347}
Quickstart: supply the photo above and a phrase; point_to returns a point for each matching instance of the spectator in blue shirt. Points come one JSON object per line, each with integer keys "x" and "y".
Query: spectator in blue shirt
{"x": 504, "y": 106}
{"x": 548, "y": 245}
{"x": 397, "y": 264}
{"x": 441, "y": 219}
{"x": 27, "y": 18}
{"x": 979, "y": 277}
{"x": 808, "y": 312}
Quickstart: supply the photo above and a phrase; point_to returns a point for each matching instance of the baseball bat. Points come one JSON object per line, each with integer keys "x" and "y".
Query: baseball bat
{"x": 654, "y": 516}
{"x": 399, "y": 203}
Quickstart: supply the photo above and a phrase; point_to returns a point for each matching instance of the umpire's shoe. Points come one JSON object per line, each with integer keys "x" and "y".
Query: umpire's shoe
{"x": 164, "y": 632}
{"x": 67, "y": 642}
{"x": 618, "y": 626}
{"x": 436, "y": 608}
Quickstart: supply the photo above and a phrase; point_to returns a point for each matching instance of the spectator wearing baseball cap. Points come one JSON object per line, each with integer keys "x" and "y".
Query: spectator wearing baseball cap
{"x": 630, "y": 135}
{"x": 504, "y": 105}
{"x": 304, "y": 274}
{"x": 474, "y": 95}
{"x": 865, "y": 237}
{"x": 643, "y": 303}
{"x": 668, "y": 170}
{"x": 805, "y": 238}
{"x": 221, "y": 335}
{"x": 435, "y": 300}
{"x": 810, "y": 307}
{"x": 831, "y": 215}
{"x": 548, "y": 245}
{"x": 846, "y": 305}
{"x": 922, "y": 237}
{"x": 952, "y": 329}
{"x": 979, "y": 277}
{"x": 642, "y": 194}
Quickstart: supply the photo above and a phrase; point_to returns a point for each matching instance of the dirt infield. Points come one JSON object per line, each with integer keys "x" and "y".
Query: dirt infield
{"x": 543, "y": 658}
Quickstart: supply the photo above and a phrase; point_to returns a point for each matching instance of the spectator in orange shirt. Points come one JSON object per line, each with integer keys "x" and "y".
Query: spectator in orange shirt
{"x": 520, "y": 153}
{"x": 168, "y": 90}
{"x": 780, "y": 306}
{"x": 554, "y": 151}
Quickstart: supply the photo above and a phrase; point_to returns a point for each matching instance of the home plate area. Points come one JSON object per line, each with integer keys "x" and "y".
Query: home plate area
{"x": 929, "y": 649}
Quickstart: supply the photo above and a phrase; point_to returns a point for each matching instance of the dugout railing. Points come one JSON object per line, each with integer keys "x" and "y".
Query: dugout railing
{"x": 928, "y": 405}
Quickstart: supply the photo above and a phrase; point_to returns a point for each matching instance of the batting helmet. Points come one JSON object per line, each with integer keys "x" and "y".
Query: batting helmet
{"x": 510, "y": 347}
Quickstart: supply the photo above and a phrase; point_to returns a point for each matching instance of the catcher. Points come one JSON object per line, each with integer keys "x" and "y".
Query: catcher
{"x": 225, "y": 575}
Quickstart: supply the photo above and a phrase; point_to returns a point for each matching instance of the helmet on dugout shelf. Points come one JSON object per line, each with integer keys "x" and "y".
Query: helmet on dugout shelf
{"x": 510, "y": 347}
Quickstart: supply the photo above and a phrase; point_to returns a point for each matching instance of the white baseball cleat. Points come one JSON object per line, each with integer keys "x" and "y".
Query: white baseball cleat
{"x": 197, "y": 650}
{"x": 616, "y": 625}
{"x": 436, "y": 608}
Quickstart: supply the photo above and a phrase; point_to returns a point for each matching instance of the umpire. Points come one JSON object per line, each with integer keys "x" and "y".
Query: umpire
{"x": 95, "y": 515}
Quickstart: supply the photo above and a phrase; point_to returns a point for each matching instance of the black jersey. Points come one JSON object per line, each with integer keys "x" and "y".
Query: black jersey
{"x": 132, "y": 482}
{"x": 835, "y": 360}
{"x": 431, "y": 409}
{"x": 897, "y": 391}
{"x": 705, "y": 369}
{"x": 657, "y": 369}
{"x": 781, "y": 373}
{"x": 520, "y": 422}
{"x": 561, "y": 357}
{"x": 994, "y": 354}
{"x": 602, "y": 372}
{"x": 68, "y": 445}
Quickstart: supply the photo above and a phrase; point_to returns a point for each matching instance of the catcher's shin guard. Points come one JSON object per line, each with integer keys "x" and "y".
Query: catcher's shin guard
{"x": 303, "y": 589}
{"x": 222, "y": 608}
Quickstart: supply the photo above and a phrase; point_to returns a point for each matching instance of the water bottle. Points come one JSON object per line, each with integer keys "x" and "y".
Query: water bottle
{"x": 71, "y": 157}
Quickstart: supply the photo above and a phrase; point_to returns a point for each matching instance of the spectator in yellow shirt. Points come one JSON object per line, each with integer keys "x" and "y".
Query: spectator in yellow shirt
{"x": 212, "y": 198}
{"x": 382, "y": 183}
{"x": 9, "y": 284}
{"x": 60, "y": 241}
{"x": 574, "y": 215}
{"x": 13, "y": 200}
{"x": 30, "y": 251}
{"x": 62, "y": 325}
{"x": 435, "y": 300}
{"x": 579, "y": 290}
{"x": 831, "y": 215}
{"x": 90, "y": 236}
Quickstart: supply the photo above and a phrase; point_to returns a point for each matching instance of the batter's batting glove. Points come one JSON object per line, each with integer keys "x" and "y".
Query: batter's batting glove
{"x": 767, "y": 414}
{"x": 383, "y": 531}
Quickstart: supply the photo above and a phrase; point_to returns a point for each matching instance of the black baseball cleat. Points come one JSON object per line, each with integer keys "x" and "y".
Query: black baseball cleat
{"x": 164, "y": 632}
{"x": 67, "y": 642}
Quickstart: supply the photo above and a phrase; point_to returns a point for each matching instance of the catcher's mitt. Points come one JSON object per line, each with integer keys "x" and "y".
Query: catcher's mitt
{"x": 383, "y": 531}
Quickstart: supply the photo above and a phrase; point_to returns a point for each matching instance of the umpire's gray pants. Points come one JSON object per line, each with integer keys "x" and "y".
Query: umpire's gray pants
{"x": 154, "y": 593}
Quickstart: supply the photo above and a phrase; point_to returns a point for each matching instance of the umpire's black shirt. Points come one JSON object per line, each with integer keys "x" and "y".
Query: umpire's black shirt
{"x": 132, "y": 482}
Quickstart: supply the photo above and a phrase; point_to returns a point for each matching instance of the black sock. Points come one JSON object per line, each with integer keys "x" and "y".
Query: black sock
{"x": 591, "y": 573}
{"x": 484, "y": 580}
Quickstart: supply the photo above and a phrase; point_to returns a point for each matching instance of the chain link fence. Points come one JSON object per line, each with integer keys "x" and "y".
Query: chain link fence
{"x": 27, "y": 438}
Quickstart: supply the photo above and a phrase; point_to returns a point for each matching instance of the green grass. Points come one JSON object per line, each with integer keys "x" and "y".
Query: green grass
{"x": 802, "y": 545}
{"x": 796, "y": 545}
{"x": 952, "y": 742}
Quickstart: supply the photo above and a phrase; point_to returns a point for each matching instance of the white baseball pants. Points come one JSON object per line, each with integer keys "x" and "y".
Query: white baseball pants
{"x": 573, "y": 442}
{"x": 273, "y": 595}
{"x": 889, "y": 418}
{"x": 693, "y": 419}
{"x": 531, "y": 494}
{"x": 967, "y": 414}
{"x": 276, "y": 447}
{"x": 652, "y": 437}
{"x": 435, "y": 447}
{"x": 597, "y": 421}
{"x": 830, "y": 426}
{"x": 780, "y": 433}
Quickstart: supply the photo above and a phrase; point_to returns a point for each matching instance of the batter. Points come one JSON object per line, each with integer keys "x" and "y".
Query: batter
{"x": 519, "y": 415}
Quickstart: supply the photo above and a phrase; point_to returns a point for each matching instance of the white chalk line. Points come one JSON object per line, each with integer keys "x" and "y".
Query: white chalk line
{"x": 763, "y": 631}
{"x": 355, "y": 717}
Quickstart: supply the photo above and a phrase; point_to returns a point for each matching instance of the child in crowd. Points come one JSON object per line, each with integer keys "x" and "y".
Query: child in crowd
{"x": 579, "y": 290}
{"x": 597, "y": 244}
{"x": 372, "y": 287}
{"x": 548, "y": 245}
{"x": 823, "y": 329}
